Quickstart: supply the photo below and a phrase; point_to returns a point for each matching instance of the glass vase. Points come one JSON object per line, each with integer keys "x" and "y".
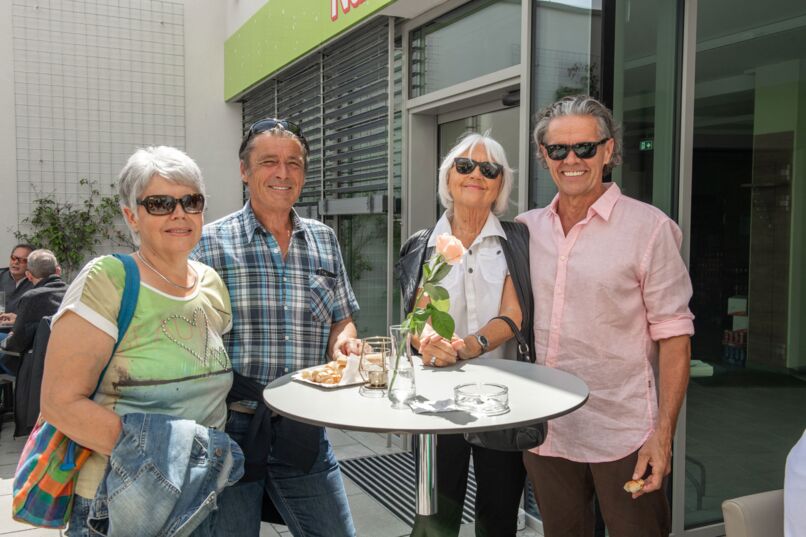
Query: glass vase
{"x": 401, "y": 387}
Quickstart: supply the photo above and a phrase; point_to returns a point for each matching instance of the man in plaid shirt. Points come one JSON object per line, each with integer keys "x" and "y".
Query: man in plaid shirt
{"x": 292, "y": 308}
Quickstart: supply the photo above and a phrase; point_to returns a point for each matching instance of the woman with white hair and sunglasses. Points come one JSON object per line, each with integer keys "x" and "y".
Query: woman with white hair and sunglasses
{"x": 171, "y": 360}
{"x": 490, "y": 299}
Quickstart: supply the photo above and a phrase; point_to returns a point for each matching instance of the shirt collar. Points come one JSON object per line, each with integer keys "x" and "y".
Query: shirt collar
{"x": 602, "y": 206}
{"x": 492, "y": 228}
{"x": 252, "y": 224}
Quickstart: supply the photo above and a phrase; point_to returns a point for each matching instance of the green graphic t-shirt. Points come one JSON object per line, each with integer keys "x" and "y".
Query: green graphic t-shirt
{"x": 171, "y": 359}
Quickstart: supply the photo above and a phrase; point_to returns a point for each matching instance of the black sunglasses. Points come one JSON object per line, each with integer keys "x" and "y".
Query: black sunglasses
{"x": 160, "y": 205}
{"x": 582, "y": 149}
{"x": 490, "y": 170}
{"x": 270, "y": 123}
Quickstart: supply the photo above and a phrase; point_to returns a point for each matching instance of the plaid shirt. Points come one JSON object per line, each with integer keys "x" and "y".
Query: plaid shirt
{"x": 282, "y": 310}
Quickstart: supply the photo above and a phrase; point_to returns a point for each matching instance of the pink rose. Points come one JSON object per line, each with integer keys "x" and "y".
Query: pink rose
{"x": 450, "y": 248}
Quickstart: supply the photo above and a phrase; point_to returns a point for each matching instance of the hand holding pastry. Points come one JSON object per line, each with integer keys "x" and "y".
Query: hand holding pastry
{"x": 654, "y": 462}
{"x": 634, "y": 485}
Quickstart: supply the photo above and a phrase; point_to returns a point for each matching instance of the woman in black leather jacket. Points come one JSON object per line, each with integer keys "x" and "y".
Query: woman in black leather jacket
{"x": 491, "y": 281}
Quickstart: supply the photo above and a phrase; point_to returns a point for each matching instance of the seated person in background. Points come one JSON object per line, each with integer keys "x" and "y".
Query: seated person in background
{"x": 13, "y": 282}
{"x": 44, "y": 274}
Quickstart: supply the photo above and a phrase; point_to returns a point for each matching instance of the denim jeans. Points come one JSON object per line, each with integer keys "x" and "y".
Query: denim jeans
{"x": 81, "y": 510}
{"x": 313, "y": 504}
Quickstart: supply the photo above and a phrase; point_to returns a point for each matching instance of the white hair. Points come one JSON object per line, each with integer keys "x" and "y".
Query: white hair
{"x": 167, "y": 162}
{"x": 495, "y": 152}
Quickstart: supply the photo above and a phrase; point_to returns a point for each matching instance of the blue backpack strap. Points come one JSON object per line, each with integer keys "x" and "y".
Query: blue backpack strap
{"x": 131, "y": 291}
{"x": 128, "y": 303}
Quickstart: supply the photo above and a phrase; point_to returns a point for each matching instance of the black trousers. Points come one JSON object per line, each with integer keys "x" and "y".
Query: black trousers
{"x": 500, "y": 477}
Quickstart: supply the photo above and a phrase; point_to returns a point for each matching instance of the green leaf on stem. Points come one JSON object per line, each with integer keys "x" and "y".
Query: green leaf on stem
{"x": 426, "y": 272}
{"x": 440, "y": 271}
{"x": 436, "y": 292}
{"x": 442, "y": 305}
{"x": 442, "y": 323}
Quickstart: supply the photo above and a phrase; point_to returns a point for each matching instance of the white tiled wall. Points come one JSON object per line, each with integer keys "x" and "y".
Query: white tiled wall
{"x": 93, "y": 81}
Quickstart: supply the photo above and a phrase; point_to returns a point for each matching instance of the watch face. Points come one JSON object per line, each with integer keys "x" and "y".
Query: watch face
{"x": 483, "y": 342}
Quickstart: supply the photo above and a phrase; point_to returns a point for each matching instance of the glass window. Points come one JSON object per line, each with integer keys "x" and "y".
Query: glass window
{"x": 566, "y": 60}
{"x": 480, "y": 37}
{"x": 363, "y": 244}
{"x": 502, "y": 126}
{"x": 644, "y": 98}
{"x": 748, "y": 210}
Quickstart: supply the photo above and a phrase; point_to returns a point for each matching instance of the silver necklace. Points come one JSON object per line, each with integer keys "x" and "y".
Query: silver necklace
{"x": 158, "y": 273}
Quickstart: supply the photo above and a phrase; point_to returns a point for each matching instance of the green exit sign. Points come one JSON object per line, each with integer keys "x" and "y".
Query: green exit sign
{"x": 646, "y": 145}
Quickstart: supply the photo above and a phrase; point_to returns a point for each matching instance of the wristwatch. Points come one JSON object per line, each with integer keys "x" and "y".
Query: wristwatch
{"x": 483, "y": 343}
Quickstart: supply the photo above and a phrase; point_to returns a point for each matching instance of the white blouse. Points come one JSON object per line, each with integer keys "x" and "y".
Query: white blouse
{"x": 476, "y": 284}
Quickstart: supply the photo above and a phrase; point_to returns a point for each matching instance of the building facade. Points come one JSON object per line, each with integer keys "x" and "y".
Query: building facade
{"x": 712, "y": 99}
{"x": 711, "y": 96}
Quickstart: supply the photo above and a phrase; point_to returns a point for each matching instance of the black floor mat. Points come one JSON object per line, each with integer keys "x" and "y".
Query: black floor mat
{"x": 390, "y": 480}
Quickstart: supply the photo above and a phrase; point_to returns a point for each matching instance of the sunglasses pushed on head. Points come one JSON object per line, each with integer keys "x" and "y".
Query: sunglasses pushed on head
{"x": 270, "y": 123}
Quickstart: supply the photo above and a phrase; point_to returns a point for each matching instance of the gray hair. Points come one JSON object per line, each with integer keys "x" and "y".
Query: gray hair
{"x": 495, "y": 152}
{"x": 42, "y": 263}
{"x": 277, "y": 132}
{"x": 580, "y": 105}
{"x": 167, "y": 162}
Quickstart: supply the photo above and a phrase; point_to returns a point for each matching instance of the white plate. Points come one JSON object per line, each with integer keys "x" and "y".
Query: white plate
{"x": 349, "y": 377}
{"x": 298, "y": 377}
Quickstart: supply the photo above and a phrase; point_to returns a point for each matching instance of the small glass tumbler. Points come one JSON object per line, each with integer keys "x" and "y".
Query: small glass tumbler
{"x": 482, "y": 399}
{"x": 375, "y": 352}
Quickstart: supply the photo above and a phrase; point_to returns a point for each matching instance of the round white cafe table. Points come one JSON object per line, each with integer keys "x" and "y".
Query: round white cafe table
{"x": 536, "y": 394}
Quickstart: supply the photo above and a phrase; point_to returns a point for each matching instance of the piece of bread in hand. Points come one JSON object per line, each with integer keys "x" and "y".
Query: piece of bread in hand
{"x": 634, "y": 485}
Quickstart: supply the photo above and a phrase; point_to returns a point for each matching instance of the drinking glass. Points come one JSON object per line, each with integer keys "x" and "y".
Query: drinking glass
{"x": 375, "y": 353}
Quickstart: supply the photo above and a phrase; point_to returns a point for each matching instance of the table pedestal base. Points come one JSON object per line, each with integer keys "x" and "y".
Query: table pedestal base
{"x": 426, "y": 474}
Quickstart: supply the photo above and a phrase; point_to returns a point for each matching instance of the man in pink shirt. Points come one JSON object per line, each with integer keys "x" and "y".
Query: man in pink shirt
{"x": 611, "y": 306}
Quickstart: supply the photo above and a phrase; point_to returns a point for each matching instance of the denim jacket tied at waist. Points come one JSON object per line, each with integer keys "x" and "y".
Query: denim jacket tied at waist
{"x": 163, "y": 477}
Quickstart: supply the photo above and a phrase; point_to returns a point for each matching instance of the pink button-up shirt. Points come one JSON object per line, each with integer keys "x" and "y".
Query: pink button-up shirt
{"x": 604, "y": 295}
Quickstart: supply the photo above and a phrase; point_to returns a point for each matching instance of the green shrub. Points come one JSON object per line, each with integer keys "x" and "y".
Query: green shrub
{"x": 74, "y": 230}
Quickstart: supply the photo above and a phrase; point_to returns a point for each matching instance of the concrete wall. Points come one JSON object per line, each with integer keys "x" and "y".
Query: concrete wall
{"x": 213, "y": 127}
{"x": 240, "y": 11}
{"x": 8, "y": 145}
{"x": 84, "y": 83}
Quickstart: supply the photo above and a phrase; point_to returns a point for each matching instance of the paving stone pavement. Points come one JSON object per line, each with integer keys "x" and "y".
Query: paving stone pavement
{"x": 371, "y": 518}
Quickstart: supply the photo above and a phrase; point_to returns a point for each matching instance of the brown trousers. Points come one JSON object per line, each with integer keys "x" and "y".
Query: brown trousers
{"x": 565, "y": 490}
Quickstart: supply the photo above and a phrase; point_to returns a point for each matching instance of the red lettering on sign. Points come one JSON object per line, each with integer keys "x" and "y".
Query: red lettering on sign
{"x": 345, "y": 7}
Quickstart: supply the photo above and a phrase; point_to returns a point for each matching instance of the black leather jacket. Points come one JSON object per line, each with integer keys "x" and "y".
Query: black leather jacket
{"x": 409, "y": 270}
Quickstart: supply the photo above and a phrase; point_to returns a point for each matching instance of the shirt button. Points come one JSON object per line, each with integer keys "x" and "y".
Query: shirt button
{"x": 470, "y": 252}
{"x": 470, "y": 270}
{"x": 285, "y": 370}
{"x": 287, "y": 338}
{"x": 276, "y": 250}
{"x": 285, "y": 279}
{"x": 285, "y": 308}
{"x": 563, "y": 258}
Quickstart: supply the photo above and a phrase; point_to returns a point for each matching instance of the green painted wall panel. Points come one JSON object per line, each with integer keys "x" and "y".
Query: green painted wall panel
{"x": 284, "y": 30}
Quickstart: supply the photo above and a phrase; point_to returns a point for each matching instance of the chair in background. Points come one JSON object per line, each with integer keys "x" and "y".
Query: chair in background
{"x": 29, "y": 381}
{"x": 756, "y": 515}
